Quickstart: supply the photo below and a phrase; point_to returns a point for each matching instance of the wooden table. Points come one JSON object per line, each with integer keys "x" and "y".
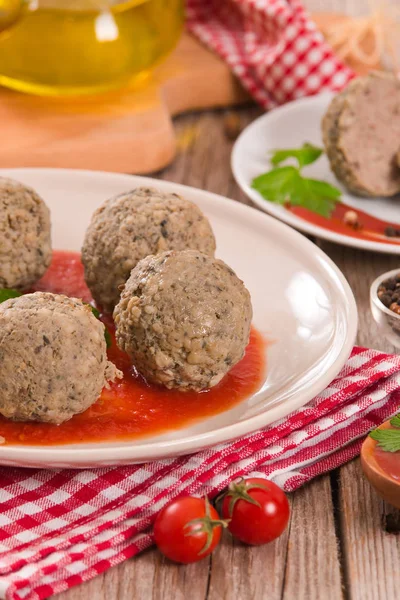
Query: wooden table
{"x": 342, "y": 542}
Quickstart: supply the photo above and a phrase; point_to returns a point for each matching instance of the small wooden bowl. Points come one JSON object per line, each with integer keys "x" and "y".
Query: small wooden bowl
{"x": 387, "y": 487}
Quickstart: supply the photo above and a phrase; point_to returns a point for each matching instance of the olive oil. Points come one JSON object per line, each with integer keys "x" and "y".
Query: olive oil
{"x": 56, "y": 47}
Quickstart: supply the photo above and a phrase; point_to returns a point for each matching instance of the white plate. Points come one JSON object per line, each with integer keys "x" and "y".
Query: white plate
{"x": 289, "y": 127}
{"x": 300, "y": 300}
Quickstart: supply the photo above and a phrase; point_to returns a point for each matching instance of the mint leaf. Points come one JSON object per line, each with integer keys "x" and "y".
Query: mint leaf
{"x": 305, "y": 155}
{"x": 388, "y": 439}
{"x": 286, "y": 184}
{"x": 7, "y": 294}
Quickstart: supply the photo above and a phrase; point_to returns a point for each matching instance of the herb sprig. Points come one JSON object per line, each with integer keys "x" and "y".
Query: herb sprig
{"x": 107, "y": 334}
{"x": 6, "y": 294}
{"x": 388, "y": 439}
{"x": 286, "y": 184}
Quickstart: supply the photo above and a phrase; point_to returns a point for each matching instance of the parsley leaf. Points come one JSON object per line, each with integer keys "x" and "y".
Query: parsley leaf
{"x": 94, "y": 311}
{"x": 7, "y": 294}
{"x": 277, "y": 184}
{"x": 286, "y": 184}
{"x": 305, "y": 155}
{"x": 107, "y": 334}
{"x": 388, "y": 439}
{"x": 395, "y": 421}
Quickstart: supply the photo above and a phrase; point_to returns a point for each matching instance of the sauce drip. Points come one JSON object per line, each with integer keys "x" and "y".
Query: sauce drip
{"x": 132, "y": 408}
{"x": 372, "y": 229}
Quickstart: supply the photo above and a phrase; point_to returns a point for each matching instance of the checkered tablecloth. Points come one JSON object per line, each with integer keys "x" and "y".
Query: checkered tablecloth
{"x": 272, "y": 46}
{"x": 60, "y": 528}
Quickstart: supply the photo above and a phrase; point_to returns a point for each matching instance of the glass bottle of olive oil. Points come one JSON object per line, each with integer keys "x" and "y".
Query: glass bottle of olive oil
{"x": 57, "y": 47}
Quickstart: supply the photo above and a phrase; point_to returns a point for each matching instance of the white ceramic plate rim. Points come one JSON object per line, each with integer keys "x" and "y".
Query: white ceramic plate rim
{"x": 79, "y": 455}
{"x": 284, "y": 215}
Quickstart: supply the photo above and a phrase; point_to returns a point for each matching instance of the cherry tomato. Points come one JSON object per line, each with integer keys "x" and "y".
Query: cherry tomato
{"x": 258, "y": 510}
{"x": 188, "y": 529}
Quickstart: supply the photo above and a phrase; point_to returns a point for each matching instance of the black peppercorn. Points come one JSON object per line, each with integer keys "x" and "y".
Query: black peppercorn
{"x": 389, "y": 293}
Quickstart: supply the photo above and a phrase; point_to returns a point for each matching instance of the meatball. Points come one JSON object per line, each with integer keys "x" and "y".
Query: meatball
{"x": 25, "y": 243}
{"x": 53, "y": 361}
{"x": 184, "y": 319}
{"x": 361, "y": 132}
{"x": 133, "y": 225}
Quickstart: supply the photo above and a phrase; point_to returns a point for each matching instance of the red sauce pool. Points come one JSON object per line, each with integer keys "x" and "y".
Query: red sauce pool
{"x": 388, "y": 462}
{"x": 132, "y": 408}
{"x": 372, "y": 229}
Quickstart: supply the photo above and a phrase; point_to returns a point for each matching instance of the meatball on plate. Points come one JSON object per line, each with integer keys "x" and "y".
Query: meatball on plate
{"x": 359, "y": 131}
{"x": 237, "y": 323}
{"x": 134, "y": 225}
{"x": 25, "y": 234}
{"x": 60, "y": 339}
{"x": 184, "y": 318}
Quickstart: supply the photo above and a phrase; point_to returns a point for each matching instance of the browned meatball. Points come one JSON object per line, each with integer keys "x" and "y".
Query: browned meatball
{"x": 53, "y": 361}
{"x": 25, "y": 244}
{"x": 132, "y": 226}
{"x": 184, "y": 318}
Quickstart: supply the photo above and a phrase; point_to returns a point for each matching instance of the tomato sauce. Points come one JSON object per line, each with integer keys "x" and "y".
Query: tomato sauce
{"x": 371, "y": 229}
{"x": 388, "y": 462}
{"x": 132, "y": 408}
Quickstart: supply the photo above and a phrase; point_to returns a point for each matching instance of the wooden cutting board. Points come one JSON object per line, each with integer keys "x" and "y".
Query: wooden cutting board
{"x": 129, "y": 130}
{"x": 125, "y": 131}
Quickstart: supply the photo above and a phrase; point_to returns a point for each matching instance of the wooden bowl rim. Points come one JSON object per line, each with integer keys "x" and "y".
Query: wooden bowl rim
{"x": 368, "y": 457}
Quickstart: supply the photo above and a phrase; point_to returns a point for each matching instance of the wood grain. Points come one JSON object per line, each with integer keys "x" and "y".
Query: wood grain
{"x": 361, "y": 268}
{"x": 369, "y": 528}
{"x": 234, "y": 565}
{"x": 371, "y": 552}
{"x": 313, "y": 568}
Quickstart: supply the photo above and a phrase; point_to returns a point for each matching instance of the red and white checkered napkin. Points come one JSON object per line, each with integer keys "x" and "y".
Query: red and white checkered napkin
{"x": 272, "y": 46}
{"x": 60, "y": 528}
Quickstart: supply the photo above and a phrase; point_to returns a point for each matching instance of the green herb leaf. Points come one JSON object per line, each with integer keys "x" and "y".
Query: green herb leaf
{"x": 395, "y": 421}
{"x": 95, "y": 311}
{"x": 388, "y": 439}
{"x": 318, "y": 196}
{"x": 286, "y": 184}
{"x": 7, "y": 294}
{"x": 107, "y": 334}
{"x": 277, "y": 185}
{"x": 305, "y": 155}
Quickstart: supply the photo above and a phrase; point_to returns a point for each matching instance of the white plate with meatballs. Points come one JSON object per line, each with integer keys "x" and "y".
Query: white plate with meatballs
{"x": 360, "y": 132}
{"x": 225, "y": 319}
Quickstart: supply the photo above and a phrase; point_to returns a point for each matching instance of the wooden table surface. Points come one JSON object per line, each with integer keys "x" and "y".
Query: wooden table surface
{"x": 343, "y": 542}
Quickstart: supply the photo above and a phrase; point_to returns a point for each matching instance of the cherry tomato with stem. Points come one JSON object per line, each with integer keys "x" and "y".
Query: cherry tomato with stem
{"x": 257, "y": 509}
{"x": 188, "y": 529}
